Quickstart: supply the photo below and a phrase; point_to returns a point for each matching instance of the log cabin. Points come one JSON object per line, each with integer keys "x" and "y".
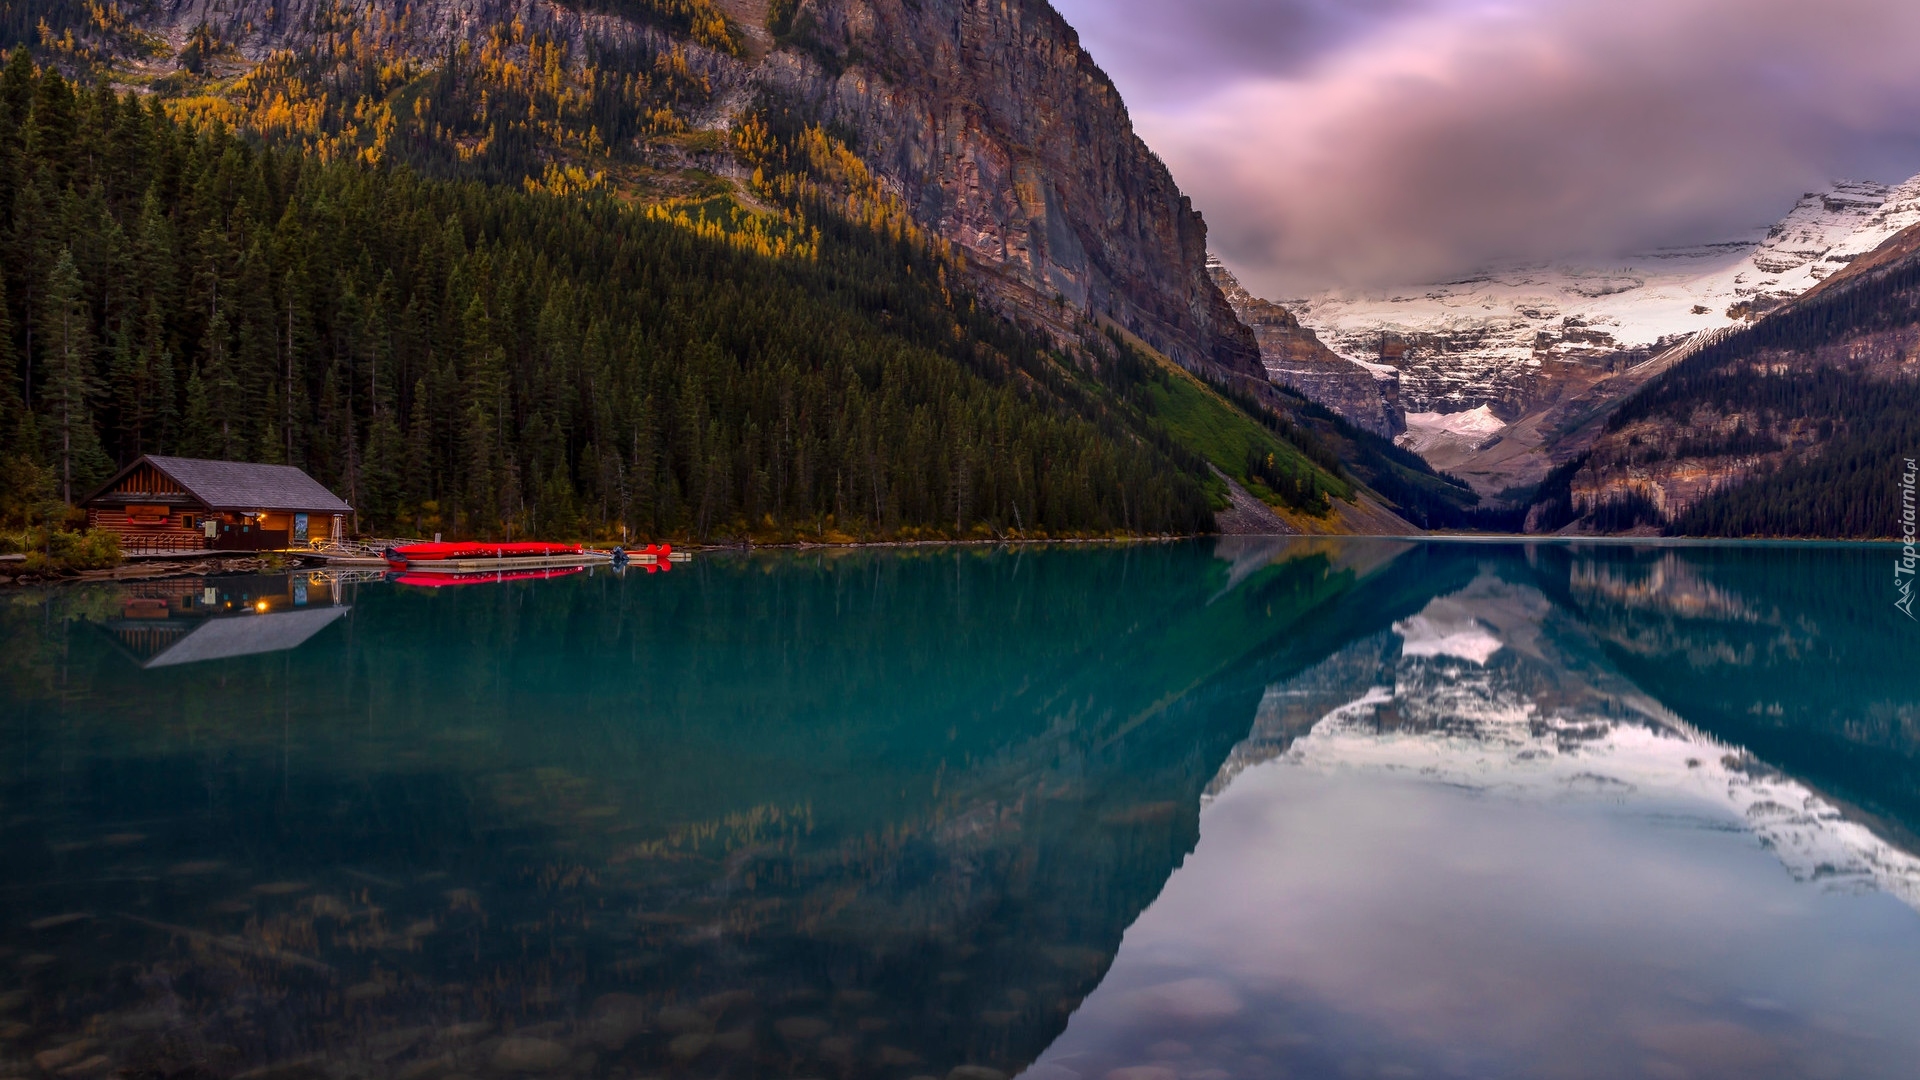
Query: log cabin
{"x": 190, "y": 504}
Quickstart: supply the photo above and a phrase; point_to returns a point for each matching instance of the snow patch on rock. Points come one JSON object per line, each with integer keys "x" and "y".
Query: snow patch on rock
{"x": 1471, "y": 429}
{"x": 1427, "y": 636}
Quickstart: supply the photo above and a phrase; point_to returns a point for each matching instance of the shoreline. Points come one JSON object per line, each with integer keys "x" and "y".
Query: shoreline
{"x": 1651, "y": 541}
{"x": 215, "y": 563}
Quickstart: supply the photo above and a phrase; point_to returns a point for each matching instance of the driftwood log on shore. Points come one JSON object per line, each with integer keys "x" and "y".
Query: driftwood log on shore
{"x": 154, "y": 568}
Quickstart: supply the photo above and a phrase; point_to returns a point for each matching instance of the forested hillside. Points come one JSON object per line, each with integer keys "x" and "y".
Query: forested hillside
{"x": 1795, "y": 427}
{"x": 985, "y": 122}
{"x": 465, "y": 358}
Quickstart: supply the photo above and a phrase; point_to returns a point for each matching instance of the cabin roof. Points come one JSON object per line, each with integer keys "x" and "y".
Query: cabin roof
{"x": 239, "y": 486}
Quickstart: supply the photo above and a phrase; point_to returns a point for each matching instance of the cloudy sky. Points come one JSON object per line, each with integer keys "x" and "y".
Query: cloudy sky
{"x": 1399, "y": 141}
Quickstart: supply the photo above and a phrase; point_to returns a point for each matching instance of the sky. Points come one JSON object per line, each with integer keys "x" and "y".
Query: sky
{"x": 1385, "y": 142}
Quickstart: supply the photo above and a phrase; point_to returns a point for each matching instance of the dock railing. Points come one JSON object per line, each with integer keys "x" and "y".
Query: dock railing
{"x": 356, "y": 549}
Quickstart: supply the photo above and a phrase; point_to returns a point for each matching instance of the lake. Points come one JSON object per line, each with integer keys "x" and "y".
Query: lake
{"x": 1234, "y": 808}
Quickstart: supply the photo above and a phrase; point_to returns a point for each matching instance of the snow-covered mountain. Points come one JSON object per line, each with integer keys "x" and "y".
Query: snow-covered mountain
{"x": 1495, "y": 339}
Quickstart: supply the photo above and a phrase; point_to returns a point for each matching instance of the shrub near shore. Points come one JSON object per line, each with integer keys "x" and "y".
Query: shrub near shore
{"x": 59, "y": 550}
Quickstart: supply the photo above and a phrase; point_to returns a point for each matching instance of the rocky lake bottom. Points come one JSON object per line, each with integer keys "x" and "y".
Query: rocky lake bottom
{"x": 1184, "y": 811}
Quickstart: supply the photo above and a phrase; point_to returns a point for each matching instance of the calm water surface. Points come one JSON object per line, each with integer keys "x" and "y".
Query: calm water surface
{"x": 1236, "y": 808}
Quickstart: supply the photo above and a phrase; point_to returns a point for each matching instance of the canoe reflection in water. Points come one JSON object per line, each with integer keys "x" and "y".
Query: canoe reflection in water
{"x": 498, "y": 577}
{"x": 1355, "y": 808}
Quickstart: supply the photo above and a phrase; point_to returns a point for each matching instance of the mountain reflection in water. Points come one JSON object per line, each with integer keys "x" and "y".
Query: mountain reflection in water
{"x": 1467, "y": 845}
{"x": 1358, "y": 808}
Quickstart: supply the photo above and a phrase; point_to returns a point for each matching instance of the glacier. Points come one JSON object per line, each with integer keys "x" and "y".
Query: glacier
{"x": 1484, "y": 338}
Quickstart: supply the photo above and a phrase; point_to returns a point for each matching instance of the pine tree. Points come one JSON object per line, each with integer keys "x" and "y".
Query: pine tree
{"x": 417, "y": 470}
{"x": 163, "y": 414}
{"x": 383, "y": 486}
{"x": 28, "y": 249}
{"x": 199, "y": 436}
{"x": 129, "y": 390}
{"x": 66, "y": 333}
{"x": 17, "y": 85}
{"x": 478, "y": 464}
{"x": 221, "y": 378}
{"x": 53, "y": 127}
{"x": 12, "y": 402}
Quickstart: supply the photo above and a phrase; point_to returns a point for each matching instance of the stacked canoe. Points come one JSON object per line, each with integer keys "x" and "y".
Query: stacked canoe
{"x": 472, "y": 557}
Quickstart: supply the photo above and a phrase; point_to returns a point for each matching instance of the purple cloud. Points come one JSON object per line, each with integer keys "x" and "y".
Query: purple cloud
{"x": 1399, "y": 141}
{"x": 1171, "y": 51}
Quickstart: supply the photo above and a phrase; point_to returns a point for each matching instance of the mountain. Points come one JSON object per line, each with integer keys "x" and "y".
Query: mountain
{"x": 521, "y": 265}
{"x": 1800, "y": 425}
{"x": 1494, "y": 338}
{"x": 1012, "y": 144}
{"x": 1502, "y": 373}
{"x": 986, "y": 122}
{"x": 1367, "y": 395}
{"x": 479, "y": 359}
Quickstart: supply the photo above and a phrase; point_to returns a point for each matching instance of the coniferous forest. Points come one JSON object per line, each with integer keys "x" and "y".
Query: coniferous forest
{"x": 483, "y": 360}
{"x": 1854, "y": 431}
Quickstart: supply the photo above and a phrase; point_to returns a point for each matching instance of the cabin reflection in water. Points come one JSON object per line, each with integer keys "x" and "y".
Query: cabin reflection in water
{"x": 193, "y": 619}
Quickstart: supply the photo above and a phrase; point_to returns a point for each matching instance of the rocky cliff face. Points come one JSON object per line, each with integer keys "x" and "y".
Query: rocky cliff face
{"x": 1006, "y": 138}
{"x": 985, "y": 117}
{"x": 1367, "y": 395}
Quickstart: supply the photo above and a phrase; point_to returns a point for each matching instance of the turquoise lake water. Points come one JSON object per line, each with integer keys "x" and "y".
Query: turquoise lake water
{"x": 1237, "y": 808}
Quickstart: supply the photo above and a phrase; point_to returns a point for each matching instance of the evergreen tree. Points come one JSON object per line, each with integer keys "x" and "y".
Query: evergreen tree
{"x": 66, "y": 335}
{"x": 418, "y": 460}
{"x": 17, "y": 86}
{"x": 52, "y": 128}
{"x": 199, "y": 435}
{"x": 383, "y": 469}
{"x": 12, "y": 402}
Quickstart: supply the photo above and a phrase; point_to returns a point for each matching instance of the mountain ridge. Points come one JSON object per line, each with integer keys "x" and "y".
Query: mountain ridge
{"x": 1507, "y": 375}
{"x": 1492, "y": 338}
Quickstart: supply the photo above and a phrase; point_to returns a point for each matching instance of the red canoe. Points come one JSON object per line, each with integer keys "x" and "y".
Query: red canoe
{"x": 436, "y": 558}
{"x": 444, "y": 552}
